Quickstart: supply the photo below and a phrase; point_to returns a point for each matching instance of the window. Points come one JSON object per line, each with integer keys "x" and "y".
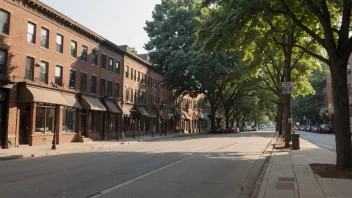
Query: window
{"x": 103, "y": 61}
{"x": 59, "y": 43}
{"x": 72, "y": 79}
{"x": 135, "y": 96}
{"x": 45, "y": 120}
{"x": 44, "y": 38}
{"x": 131, "y": 74}
{"x": 58, "y": 75}
{"x": 95, "y": 57}
{"x": 94, "y": 84}
{"x": 3, "y": 62}
{"x": 131, "y": 92}
{"x": 69, "y": 120}
{"x": 4, "y": 21}
{"x": 83, "y": 82}
{"x": 117, "y": 90}
{"x": 148, "y": 80}
{"x": 135, "y": 75}
{"x": 93, "y": 122}
{"x": 31, "y": 32}
{"x": 109, "y": 88}
{"x": 117, "y": 67}
{"x": 139, "y": 76}
{"x": 102, "y": 87}
{"x": 111, "y": 62}
{"x": 126, "y": 71}
{"x": 74, "y": 49}
{"x": 127, "y": 95}
{"x": 84, "y": 53}
{"x": 29, "y": 68}
{"x": 43, "y": 77}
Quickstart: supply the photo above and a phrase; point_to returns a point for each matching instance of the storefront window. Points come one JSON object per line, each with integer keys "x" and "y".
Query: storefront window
{"x": 113, "y": 124}
{"x": 93, "y": 122}
{"x": 45, "y": 120}
{"x": 69, "y": 120}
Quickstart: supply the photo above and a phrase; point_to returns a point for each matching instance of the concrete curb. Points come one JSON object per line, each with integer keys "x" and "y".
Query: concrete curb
{"x": 87, "y": 148}
{"x": 264, "y": 182}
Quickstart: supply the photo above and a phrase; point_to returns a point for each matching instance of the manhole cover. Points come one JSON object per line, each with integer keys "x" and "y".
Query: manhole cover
{"x": 285, "y": 186}
{"x": 287, "y": 179}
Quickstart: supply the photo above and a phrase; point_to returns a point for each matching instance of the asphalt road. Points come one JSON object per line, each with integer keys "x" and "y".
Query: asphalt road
{"x": 326, "y": 141}
{"x": 200, "y": 166}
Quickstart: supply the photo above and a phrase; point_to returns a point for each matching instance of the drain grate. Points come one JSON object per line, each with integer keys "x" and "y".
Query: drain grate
{"x": 287, "y": 179}
{"x": 285, "y": 186}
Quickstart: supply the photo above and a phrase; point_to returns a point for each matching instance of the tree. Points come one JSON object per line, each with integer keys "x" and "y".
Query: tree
{"x": 266, "y": 29}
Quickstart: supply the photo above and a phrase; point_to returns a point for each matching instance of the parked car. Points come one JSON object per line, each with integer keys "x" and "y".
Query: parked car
{"x": 314, "y": 129}
{"x": 301, "y": 127}
{"x": 307, "y": 128}
{"x": 242, "y": 128}
{"x": 219, "y": 129}
{"x": 262, "y": 127}
{"x": 249, "y": 128}
{"x": 231, "y": 130}
{"x": 254, "y": 128}
{"x": 325, "y": 128}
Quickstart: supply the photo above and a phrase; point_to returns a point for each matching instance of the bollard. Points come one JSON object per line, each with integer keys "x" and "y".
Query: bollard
{"x": 295, "y": 141}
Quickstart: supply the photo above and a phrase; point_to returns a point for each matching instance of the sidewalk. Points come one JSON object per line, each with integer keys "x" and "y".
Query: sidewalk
{"x": 76, "y": 147}
{"x": 289, "y": 175}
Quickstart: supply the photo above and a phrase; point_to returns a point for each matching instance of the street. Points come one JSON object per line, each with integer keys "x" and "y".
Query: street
{"x": 199, "y": 166}
{"x": 326, "y": 141}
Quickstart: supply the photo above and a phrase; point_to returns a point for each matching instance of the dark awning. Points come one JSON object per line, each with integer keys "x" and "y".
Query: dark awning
{"x": 72, "y": 101}
{"x": 33, "y": 94}
{"x": 151, "y": 114}
{"x": 112, "y": 107}
{"x": 92, "y": 103}
{"x": 142, "y": 110}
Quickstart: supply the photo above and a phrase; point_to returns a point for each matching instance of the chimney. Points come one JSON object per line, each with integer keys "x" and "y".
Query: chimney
{"x": 144, "y": 57}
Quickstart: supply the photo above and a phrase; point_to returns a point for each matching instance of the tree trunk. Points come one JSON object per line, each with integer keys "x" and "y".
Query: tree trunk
{"x": 212, "y": 120}
{"x": 227, "y": 118}
{"x": 287, "y": 115}
{"x": 342, "y": 114}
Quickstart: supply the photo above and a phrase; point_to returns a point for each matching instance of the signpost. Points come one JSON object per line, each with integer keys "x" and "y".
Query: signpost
{"x": 287, "y": 87}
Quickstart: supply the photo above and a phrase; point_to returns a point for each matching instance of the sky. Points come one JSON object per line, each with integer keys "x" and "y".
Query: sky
{"x": 120, "y": 21}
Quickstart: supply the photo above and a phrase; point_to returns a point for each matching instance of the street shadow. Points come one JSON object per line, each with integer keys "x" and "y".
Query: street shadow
{"x": 86, "y": 174}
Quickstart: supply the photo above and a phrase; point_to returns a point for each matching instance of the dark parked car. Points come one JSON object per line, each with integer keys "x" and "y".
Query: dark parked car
{"x": 242, "y": 128}
{"x": 314, "y": 129}
{"x": 254, "y": 128}
{"x": 325, "y": 128}
{"x": 231, "y": 130}
{"x": 219, "y": 129}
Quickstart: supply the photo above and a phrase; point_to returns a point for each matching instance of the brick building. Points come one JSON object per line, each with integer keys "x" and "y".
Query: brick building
{"x": 59, "y": 77}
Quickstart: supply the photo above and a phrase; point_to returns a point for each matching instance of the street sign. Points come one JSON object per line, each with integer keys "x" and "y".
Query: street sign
{"x": 290, "y": 120}
{"x": 287, "y": 87}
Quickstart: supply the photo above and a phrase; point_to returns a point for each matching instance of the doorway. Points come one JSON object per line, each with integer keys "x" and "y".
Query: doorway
{"x": 24, "y": 127}
{"x": 83, "y": 125}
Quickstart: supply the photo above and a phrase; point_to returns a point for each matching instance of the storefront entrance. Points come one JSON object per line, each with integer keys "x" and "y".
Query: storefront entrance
{"x": 24, "y": 127}
{"x": 3, "y": 119}
{"x": 83, "y": 125}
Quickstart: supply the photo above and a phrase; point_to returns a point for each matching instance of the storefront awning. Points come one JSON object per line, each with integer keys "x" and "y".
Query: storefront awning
{"x": 7, "y": 86}
{"x": 72, "y": 101}
{"x": 142, "y": 110}
{"x": 151, "y": 114}
{"x": 185, "y": 115}
{"x": 112, "y": 107}
{"x": 92, "y": 103}
{"x": 33, "y": 94}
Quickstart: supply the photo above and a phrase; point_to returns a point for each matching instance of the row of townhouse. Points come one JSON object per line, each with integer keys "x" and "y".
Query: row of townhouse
{"x": 58, "y": 79}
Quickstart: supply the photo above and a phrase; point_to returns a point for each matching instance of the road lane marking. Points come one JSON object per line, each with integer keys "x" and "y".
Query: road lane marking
{"x": 140, "y": 177}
